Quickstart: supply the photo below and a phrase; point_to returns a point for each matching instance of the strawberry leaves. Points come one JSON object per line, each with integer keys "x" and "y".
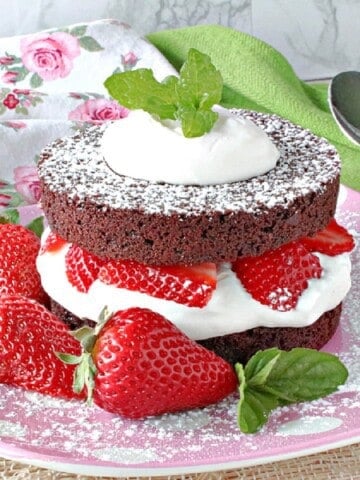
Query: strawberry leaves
{"x": 188, "y": 98}
{"x": 84, "y": 374}
{"x": 273, "y": 377}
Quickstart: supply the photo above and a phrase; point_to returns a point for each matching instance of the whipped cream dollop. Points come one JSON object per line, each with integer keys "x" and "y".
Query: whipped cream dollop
{"x": 142, "y": 147}
{"x": 231, "y": 308}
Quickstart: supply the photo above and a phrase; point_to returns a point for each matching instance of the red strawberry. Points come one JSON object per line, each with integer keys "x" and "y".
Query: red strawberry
{"x": 82, "y": 267}
{"x": 190, "y": 285}
{"x": 19, "y": 248}
{"x": 29, "y": 337}
{"x": 278, "y": 277}
{"x": 332, "y": 240}
{"x": 146, "y": 366}
{"x": 53, "y": 243}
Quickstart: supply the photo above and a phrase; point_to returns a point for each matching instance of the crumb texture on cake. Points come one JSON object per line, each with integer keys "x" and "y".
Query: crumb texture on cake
{"x": 239, "y": 347}
{"x": 121, "y": 217}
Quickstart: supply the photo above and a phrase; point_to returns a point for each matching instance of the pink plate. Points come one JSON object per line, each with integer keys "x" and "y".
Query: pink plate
{"x": 70, "y": 437}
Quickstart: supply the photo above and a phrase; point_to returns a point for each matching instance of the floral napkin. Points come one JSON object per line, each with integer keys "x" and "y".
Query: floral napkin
{"x": 51, "y": 84}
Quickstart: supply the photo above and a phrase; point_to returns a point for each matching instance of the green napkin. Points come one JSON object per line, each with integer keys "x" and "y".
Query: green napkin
{"x": 258, "y": 77}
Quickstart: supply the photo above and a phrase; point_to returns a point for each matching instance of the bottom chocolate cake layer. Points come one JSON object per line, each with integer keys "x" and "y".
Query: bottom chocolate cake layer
{"x": 239, "y": 347}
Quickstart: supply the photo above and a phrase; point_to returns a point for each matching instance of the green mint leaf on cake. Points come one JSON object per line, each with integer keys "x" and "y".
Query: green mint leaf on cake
{"x": 200, "y": 84}
{"x": 138, "y": 89}
{"x": 195, "y": 122}
{"x": 274, "y": 377}
{"x": 189, "y": 98}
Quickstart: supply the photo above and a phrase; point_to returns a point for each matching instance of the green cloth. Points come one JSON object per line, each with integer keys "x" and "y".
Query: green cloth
{"x": 258, "y": 77}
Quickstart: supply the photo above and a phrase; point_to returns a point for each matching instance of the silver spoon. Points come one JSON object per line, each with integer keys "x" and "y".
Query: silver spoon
{"x": 344, "y": 101}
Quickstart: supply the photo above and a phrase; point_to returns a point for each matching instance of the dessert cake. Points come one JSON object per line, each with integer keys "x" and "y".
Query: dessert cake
{"x": 177, "y": 249}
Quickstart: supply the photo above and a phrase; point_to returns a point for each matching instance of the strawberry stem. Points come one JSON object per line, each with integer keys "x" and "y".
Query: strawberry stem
{"x": 84, "y": 375}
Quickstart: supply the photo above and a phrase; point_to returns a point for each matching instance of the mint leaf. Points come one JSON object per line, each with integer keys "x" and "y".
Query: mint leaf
{"x": 254, "y": 407}
{"x": 188, "y": 98}
{"x": 260, "y": 365}
{"x": 254, "y": 410}
{"x": 138, "y": 89}
{"x": 200, "y": 84}
{"x": 194, "y": 122}
{"x": 274, "y": 377}
{"x": 304, "y": 374}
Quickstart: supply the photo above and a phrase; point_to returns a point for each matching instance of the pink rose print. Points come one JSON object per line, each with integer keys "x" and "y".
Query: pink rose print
{"x": 6, "y": 60}
{"x": 9, "y": 77}
{"x": 4, "y": 199}
{"x": 130, "y": 59}
{"x": 50, "y": 55}
{"x": 16, "y": 125}
{"x": 98, "y": 110}
{"x": 21, "y": 91}
{"x": 75, "y": 95}
{"x": 27, "y": 183}
{"x": 11, "y": 101}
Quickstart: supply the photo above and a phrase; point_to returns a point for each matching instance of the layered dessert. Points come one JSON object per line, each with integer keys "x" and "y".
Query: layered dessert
{"x": 140, "y": 216}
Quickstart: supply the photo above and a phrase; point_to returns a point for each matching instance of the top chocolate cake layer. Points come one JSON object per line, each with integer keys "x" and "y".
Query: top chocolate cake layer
{"x": 122, "y": 217}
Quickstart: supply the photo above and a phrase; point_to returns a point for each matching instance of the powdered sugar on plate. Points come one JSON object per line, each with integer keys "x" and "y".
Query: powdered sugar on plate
{"x": 73, "y": 437}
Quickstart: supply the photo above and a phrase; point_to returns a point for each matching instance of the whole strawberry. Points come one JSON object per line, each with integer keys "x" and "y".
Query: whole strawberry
{"x": 19, "y": 248}
{"x": 145, "y": 366}
{"x": 30, "y": 336}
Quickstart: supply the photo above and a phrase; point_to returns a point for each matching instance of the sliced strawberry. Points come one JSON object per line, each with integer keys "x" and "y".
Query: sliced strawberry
{"x": 146, "y": 366}
{"x": 82, "y": 267}
{"x": 29, "y": 337}
{"x": 332, "y": 240}
{"x": 189, "y": 285}
{"x": 19, "y": 248}
{"x": 278, "y": 278}
{"x": 53, "y": 243}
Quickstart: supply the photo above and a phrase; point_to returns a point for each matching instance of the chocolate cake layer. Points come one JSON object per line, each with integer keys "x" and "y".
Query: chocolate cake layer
{"x": 120, "y": 217}
{"x": 239, "y": 347}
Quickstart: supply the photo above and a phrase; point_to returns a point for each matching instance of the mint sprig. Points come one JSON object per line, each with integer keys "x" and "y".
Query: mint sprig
{"x": 189, "y": 98}
{"x": 138, "y": 89}
{"x": 274, "y": 378}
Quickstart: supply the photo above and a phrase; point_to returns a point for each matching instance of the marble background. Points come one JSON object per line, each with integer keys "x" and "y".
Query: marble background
{"x": 319, "y": 37}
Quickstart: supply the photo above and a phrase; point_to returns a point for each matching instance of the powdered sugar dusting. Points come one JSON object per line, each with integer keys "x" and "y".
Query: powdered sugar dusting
{"x": 75, "y": 166}
{"x": 82, "y": 438}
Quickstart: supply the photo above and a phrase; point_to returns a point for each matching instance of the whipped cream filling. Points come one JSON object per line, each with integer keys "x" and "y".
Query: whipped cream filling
{"x": 142, "y": 147}
{"x": 231, "y": 308}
